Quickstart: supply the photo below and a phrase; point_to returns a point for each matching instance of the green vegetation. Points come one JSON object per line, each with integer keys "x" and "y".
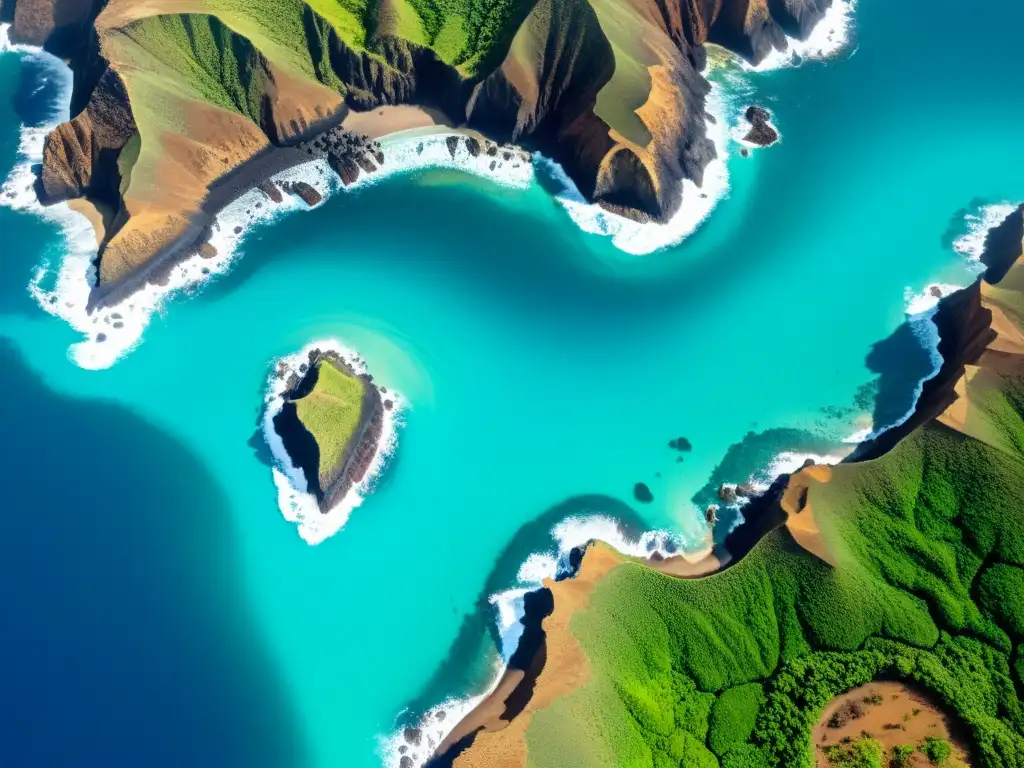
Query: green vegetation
{"x": 937, "y": 751}
{"x": 331, "y": 413}
{"x": 1001, "y": 593}
{"x": 732, "y": 717}
{"x": 929, "y": 589}
{"x": 900, "y": 756}
{"x": 861, "y": 753}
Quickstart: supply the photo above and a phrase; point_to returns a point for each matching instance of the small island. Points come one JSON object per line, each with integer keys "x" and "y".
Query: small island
{"x": 332, "y": 421}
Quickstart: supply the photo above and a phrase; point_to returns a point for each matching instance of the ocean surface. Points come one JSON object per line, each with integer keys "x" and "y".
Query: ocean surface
{"x": 160, "y": 610}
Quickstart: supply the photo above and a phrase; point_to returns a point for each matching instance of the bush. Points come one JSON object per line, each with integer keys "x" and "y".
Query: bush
{"x": 862, "y": 753}
{"x": 1001, "y": 593}
{"x": 901, "y": 756}
{"x": 936, "y": 750}
{"x": 733, "y": 717}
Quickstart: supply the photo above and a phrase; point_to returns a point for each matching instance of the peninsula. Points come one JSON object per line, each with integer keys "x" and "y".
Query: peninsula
{"x": 904, "y": 563}
{"x": 179, "y": 107}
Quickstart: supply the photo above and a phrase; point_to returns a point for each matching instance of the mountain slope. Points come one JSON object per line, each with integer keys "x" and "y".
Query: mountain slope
{"x": 904, "y": 563}
{"x": 172, "y": 96}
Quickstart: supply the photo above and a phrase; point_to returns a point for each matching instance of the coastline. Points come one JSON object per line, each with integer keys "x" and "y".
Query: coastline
{"x": 830, "y": 36}
{"x": 112, "y": 318}
{"x": 962, "y": 331}
{"x": 296, "y": 503}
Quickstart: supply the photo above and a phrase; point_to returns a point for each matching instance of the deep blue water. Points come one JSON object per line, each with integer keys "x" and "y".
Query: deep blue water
{"x": 161, "y": 611}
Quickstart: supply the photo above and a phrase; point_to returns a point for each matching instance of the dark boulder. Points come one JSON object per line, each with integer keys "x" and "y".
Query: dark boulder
{"x": 761, "y": 131}
{"x": 680, "y": 444}
{"x": 642, "y": 493}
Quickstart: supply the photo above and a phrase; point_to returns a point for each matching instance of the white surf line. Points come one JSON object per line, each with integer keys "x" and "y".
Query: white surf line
{"x": 296, "y": 503}
{"x": 971, "y": 245}
{"x": 921, "y": 306}
{"x": 830, "y": 36}
{"x": 413, "y": 746}
{"x": 638, "y": 238}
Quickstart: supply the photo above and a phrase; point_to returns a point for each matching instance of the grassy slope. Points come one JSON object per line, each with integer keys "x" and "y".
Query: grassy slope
{"x": 927, "y": 589}
{"x": 331, "y": 414}
{"x": 180, "y": 68}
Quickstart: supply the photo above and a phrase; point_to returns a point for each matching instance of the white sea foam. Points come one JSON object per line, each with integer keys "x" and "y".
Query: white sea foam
{"x": 296, "y": 503}
{"x": 971, "y": 245}
{"x": 830, "y": 36}
{"x": 113, "y": 331}
{"x": 788, "y": 462}
{"x": 698, "y": 202}
{"x": 536, "y": 569}
{"x": 7, "y": 45}
{"x": 921, "y": 302}
{"x": 861, "y": 433}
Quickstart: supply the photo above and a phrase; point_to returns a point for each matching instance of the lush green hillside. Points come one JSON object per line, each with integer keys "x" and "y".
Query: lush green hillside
{"x": 677, "y": 666}
{"x": 915, "y": 573}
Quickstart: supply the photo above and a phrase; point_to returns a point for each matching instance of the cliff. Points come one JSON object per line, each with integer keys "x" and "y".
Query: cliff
{"x": 330, "y": 424}
{"x": 173, "y": 96}
{"x": 840, "y": 575}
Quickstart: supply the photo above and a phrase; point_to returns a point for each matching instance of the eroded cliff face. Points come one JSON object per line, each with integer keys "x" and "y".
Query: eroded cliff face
{"x": 172, "y": 95}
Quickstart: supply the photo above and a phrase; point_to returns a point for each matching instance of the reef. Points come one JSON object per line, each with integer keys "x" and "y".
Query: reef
{"x": 903, "y": 563}
{"x": 330, "y": 422}
{"x": 179, "y": 109}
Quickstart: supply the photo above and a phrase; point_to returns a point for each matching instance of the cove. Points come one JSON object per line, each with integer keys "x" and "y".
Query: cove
{"x": 540, "y": 364}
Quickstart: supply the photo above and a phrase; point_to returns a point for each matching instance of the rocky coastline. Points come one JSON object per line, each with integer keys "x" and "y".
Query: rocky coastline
{"x": 302, "y": 447}
{"x": 965, "y": 330}
{"x": 640, "y": 180}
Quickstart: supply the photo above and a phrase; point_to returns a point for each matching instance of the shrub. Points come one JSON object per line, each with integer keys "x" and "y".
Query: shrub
{"x": 862, "y": 753}
{"x": 733, "y": 717}
{"x": 936, "y": 750}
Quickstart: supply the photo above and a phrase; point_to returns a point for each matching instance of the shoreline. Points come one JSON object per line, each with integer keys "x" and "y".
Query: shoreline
{"x": 946, "y": 309}
{"x": 112, "y": 318}
{"x": 297, "y": 504}
{"x": 830, "y": 36}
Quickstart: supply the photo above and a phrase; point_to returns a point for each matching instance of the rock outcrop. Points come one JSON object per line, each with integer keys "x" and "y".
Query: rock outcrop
{"x": 761, "y": 131}
{"x": 330, "y": 481}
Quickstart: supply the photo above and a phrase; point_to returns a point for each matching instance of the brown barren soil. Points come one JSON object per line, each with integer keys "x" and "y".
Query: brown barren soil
{"x": 896, "y": 710}
{"x": 379, "y": 122}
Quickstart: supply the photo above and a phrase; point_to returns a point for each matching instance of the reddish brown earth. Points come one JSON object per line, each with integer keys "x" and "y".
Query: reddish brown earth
{"x": 904, "y": 716}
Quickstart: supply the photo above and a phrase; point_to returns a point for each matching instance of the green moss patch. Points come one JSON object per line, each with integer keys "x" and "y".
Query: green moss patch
{"x": 331, "y": 413}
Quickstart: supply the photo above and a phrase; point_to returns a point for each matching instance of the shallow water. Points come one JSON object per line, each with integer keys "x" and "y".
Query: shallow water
{"x": 166, "y": 611}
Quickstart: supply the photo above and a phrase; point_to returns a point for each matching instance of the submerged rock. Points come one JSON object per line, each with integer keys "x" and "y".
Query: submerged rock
{"x": 642, "y": 493}
{"x": 307, "y": 193}
{"x": 680, "y": 444}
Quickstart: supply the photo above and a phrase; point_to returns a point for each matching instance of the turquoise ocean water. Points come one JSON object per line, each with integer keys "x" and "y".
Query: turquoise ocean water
{"x": 159, "y": 608}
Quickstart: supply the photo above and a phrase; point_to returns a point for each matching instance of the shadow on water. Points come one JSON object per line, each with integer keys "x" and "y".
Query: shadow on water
{"x": 27, "y": 92}
{"x": 478, "y": 634}
{"x": 902, "y": 362}
{"x": 125, "y": 633}
{"x": 523, "y": 259}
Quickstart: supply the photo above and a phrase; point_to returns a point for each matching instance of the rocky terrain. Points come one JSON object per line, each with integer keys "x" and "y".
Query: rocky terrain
{"x": 173, "y": 97}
